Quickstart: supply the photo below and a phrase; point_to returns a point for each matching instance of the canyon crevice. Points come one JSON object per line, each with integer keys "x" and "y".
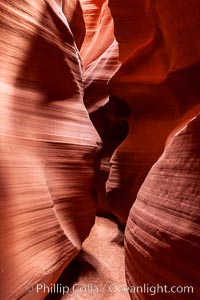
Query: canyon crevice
{"x": 100, "y": 139}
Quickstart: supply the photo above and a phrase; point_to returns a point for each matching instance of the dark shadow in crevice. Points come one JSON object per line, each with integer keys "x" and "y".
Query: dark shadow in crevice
{"x": 81, "y": 265}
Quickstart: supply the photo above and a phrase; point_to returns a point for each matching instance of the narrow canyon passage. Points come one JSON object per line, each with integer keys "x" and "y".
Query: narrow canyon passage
{"x": 99, "y": 149}
{"x": 98, "y": 272}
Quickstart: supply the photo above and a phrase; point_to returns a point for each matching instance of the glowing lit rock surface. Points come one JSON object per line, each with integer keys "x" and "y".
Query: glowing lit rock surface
{"x": 135, "y": 82}
{"x": 48, "y": 150}
{"x": 99, "y": 29}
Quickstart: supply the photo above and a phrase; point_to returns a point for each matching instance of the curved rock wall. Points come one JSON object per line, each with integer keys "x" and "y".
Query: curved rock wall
{"x": 94, "y": 91}
{"x": 99, "y": 29}
{"x": 158, "y": 79}
{"x": 100, "y": 57}
{"x": 49, "y": 148}
{"x": 74, "y": 14}
{"x": 162, "y": 237}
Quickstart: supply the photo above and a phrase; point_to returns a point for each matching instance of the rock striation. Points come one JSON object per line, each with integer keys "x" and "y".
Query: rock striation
{"x": 162, "y": 237}
{"x": 99, "y": 114}
{"x": 49, "y": 148}
{"x": 158, "y": 79}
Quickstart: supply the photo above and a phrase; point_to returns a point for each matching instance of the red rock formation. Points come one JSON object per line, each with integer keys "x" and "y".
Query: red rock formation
{"x": 99, "y": 29}
{"x": 74, "y": 14}
{"x": 48, "y": 150}
{"x": 162, "y": 237}
{"x": 158, "y": 79}
{"x": 143, "y": 67}
{"x": 99, "y": 54}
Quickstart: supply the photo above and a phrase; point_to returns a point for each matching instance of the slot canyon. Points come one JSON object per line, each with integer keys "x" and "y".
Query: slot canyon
{"x": 100, "y": 149}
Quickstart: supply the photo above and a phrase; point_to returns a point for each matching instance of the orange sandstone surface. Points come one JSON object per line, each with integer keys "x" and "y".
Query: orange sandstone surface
{"x": 99, "y": 149}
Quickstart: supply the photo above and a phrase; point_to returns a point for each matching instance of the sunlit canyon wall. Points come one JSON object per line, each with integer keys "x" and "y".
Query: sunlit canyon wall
{"x": 100, "y": 105}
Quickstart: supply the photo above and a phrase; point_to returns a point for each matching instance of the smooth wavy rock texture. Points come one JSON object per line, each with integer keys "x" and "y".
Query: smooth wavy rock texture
{"x": 162, "y": 238}
{"x": 99, "y": 115}
{"x": 74, "y": 14}
{"x": 49, "y": 147}
{"x": 158, "y": 79}
{"x": 99, "y": 30}
{"x": 100, "y": 57}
